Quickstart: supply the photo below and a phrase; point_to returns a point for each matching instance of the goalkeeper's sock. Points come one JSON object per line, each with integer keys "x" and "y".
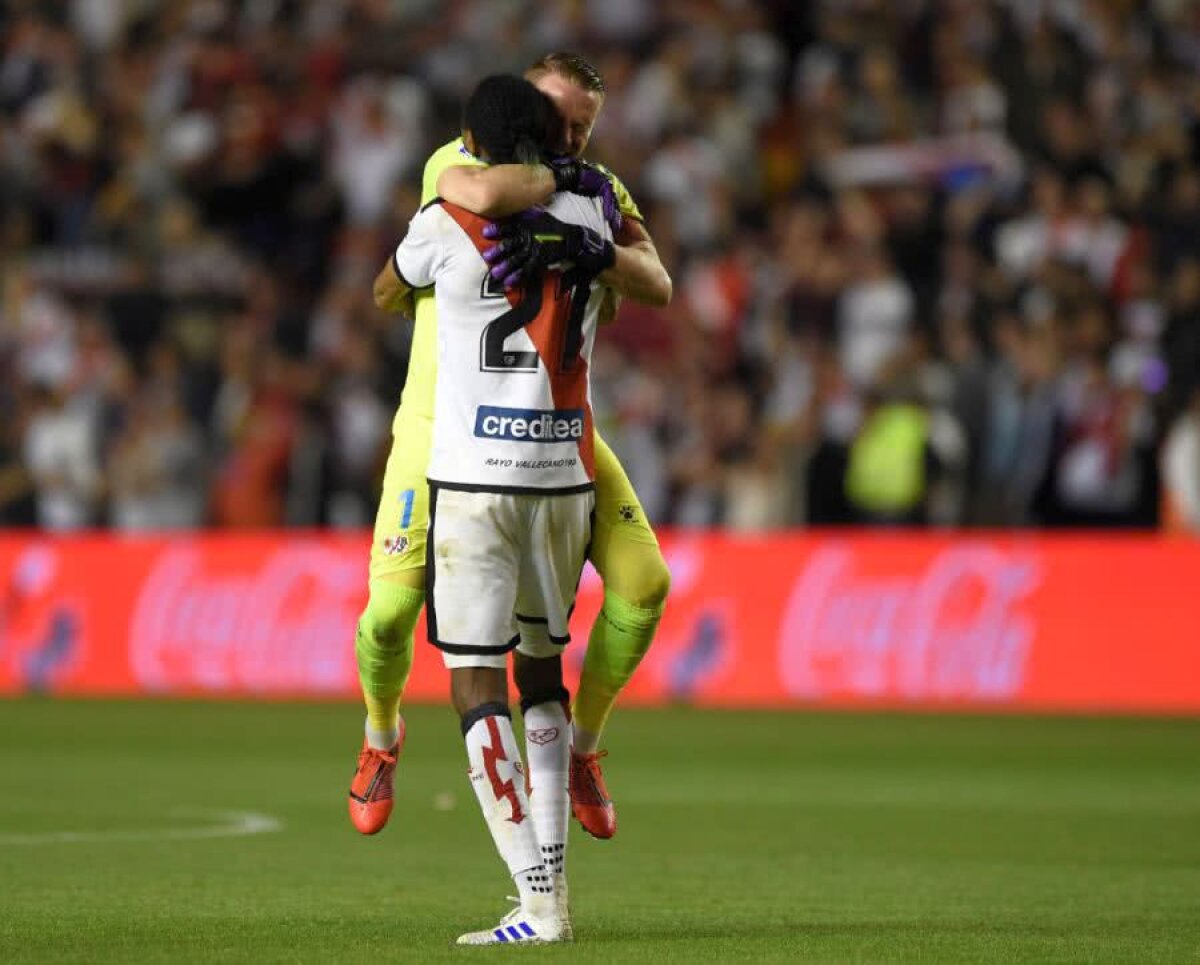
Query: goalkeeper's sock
{"x": 383, "y": 648}
{"x": 620, "y": 638}
{"x": 496, "y": 775}
{"x": 547, "y": 756}
{"x": 383, "y": 740}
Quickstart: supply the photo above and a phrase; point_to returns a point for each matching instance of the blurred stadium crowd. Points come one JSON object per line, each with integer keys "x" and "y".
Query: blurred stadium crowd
{"x": 934, "y": 260}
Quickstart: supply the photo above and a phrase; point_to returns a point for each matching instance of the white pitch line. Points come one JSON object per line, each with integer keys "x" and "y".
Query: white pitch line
{"x": 234, "y": 824}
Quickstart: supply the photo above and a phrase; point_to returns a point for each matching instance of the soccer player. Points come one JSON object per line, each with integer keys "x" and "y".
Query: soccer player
{"x": 624, "y": 549}
{"x": 511, "y": 474}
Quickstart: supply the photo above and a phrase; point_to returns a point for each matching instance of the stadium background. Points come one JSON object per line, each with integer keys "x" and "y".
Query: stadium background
{"x": 936, "y": 270}
{"x": 985, "y": 210}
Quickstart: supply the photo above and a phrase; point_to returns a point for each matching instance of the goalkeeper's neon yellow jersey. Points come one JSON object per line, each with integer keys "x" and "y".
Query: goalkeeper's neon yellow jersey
{"x": 417, "y": 398}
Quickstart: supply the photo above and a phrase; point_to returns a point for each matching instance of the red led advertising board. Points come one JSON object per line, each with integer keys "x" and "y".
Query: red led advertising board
{"x": 1027, "y": 623}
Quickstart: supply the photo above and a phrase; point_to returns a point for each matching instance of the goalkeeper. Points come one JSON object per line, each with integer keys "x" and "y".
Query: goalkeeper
{"x": 624, "y": 549}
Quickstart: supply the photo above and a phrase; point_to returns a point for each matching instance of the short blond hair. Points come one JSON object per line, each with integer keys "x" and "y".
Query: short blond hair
{"x": 575, "y": 68}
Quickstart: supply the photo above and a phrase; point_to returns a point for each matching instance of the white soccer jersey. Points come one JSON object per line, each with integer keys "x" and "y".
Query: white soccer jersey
{"x": 513, "y": 410}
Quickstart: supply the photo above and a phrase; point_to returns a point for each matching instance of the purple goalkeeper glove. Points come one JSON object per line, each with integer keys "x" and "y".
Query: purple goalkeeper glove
{"x": 534, "y": 240}
{"x": 579, "y": 177}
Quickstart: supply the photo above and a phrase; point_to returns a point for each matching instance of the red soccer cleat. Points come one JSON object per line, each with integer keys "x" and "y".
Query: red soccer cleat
{"x": 590, "y": 803}
{"x": 371, "y": 791}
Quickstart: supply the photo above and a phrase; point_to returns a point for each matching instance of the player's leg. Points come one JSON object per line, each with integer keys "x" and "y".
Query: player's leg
{"x": 383, "y": 645}
{"x": 383, "y": 649}
{"x": 544, "y": 709}
{"x": 545, "y": 598}
{"x": 494, "y": 765}
{"x": 636, "y": 581}
{"x": 474, "y": 565}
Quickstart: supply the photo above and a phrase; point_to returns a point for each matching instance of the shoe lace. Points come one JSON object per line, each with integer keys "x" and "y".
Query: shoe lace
{"x": 374, "y": 753}
{"x": 369, "y": 780}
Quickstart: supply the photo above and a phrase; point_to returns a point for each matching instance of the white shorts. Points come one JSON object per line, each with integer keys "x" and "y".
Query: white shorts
{"x": 498, "y": 559}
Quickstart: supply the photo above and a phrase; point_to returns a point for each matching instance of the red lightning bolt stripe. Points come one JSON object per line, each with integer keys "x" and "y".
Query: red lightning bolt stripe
{"x": 502, "y": 789}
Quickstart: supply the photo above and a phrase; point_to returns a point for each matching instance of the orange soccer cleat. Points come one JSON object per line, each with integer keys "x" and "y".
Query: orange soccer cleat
{"x": 371, "y": 791}
{"x": 590, "y": 803}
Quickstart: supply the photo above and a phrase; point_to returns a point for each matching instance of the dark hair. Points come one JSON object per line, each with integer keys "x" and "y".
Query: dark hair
{"x": 573, "y": 67}
{"x": 511, "y": 120}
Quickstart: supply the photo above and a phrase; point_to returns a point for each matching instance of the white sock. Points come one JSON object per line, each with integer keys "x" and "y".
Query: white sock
{"x": 584, "y": 741}
{"x": 547, "y": 751}
{"x": 382, "y": 740}
{"x": 497, "y": 776}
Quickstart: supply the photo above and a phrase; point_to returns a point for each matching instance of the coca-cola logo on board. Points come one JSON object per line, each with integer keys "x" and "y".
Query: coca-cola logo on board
{"x": 285, "y": 626}
{"x": 953, "y": 629}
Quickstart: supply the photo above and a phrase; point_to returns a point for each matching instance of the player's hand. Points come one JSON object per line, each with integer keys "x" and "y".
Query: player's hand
{"x": 534, "y": 240}
{"x": 579, "y": 177}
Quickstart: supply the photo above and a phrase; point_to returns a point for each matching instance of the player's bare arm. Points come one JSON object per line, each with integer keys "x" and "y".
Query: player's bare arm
{"x": 608, "y": 308}
{"x": 392, "y": 293}
{"x": 497, "y": 191}
{"x": 638, "y": 272}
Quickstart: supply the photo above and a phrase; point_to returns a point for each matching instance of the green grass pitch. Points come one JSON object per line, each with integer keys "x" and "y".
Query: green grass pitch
{"x": 747, "y": 836}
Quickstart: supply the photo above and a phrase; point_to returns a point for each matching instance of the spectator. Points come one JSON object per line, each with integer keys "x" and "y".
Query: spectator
{"x": 157, "y": 470}
{"x": 1097, "y": 468}
{"x": 61, "y": 452}
{"x": 1181, "y": 470}
{"x": 17, "y": 504}
{"x": 886, "y": 475}
{"x": 875, "y": 314}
